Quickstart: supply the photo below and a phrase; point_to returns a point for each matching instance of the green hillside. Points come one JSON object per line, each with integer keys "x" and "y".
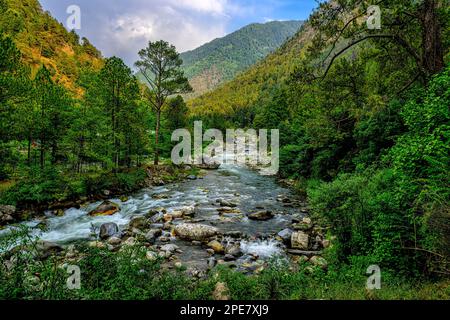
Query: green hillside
{"x": 42, "y": 40}
{"x": 222, "y": 59}
{"x": 255, "y": 83}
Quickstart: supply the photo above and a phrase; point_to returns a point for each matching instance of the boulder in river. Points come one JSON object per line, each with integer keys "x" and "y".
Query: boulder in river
{"x": 216, "y": 246}
{"x": 172, "y": 248}
{"x": 138, "y": 222}
{"x": 299, "y": 240}
{"x": 261, "y": 215}
{"x": 108, "y": 230}
{"x": 225, "y": 203}
{"x": 199, "y": 232}
{"x": 285, "y": 235}
{"x": 208, "y": 164}
{"x": 152, "y": 235}
{"x": 47, "y": 248}
{"x": 107, "y": 208}
{"x": 233, "y": 249}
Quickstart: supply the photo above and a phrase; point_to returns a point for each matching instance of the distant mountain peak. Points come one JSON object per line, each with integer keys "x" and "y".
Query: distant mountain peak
{"x": 223, "y": 59}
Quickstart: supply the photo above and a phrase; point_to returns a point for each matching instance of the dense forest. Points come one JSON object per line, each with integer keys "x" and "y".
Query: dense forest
{"x": 364, "y": 128}
{"x": 68, "y": 116}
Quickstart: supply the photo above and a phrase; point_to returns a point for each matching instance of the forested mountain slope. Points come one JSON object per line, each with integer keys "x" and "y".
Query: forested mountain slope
{"x": 42, "y": 40}
{"x": 248, "y": 87}
{"x": 222, "y": 59}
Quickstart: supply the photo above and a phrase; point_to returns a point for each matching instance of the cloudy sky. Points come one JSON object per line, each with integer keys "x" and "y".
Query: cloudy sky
{"x": 122, "y": 27}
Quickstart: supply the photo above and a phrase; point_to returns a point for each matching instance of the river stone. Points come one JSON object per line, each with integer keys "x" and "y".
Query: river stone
{"x": 188, "y": 211}
{"x": 169, "y": 247}
{"x": 167, "y": 217}
{"x": 261, "y": 215}
{"x": 108, "y": 230}
{"x": 191, "y": 177}
{"x": 138, "y": 222}
{"x": 152, "y": 235}
{"x": 10, "y": 210}
{"x": 96, "y": 244}
{"x": 157, "y": 217}
{"x": 176, "y": 214}
{"x": 225, "y": 203}
{"x": 233, "y": 234}
{"x": 301, "y": 226}
{"x": 233, "y": 249}
{"x": 229, "y": 257}
{"x": 114, "y": 241}
{"x": 107, "y": 208}
{"x": 131, "y": 241}
{"x": 285, "y": 235}
{"x": 199, "y": 232}
{"x": 47, "y": 248}
{"x": 228, "y": 210}
{"x": 156, "y": 226}
{"x": 299, "y": 240}
{"x": 216, "y": 246}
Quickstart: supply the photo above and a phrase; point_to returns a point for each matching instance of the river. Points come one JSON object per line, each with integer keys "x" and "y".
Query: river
{"x": 245, "y": 188}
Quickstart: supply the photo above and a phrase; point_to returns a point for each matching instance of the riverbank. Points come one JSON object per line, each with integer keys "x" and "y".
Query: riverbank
{"x": 129, "y": 275}
{"x": 195, "y": 240}
{"x": 29, "y": 197}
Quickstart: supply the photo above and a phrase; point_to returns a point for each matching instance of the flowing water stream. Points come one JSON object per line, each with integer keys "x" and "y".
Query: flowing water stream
{"x": 247, "y": 189}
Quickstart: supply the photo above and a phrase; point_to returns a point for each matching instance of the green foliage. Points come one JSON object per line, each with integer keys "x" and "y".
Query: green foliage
{"x": 160, "y": 65}
{"x": 41, "y": 39}
{"x": 128, "y": 275}
{"x": 397, "y": 216}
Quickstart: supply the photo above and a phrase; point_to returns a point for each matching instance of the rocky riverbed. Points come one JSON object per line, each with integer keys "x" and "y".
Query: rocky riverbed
{"x": 231, "y": 216}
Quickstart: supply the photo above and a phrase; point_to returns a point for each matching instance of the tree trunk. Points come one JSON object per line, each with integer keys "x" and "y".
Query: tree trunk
{"x": 433, "y": 55}
{"x": 158, "y": 119}
{"x": 42, "y": 156}
{"x": 29, "y": 151}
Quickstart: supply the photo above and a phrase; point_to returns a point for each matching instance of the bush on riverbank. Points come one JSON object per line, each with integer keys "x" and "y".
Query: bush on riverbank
{"x": 44, "y": 187}
{"x": 128, "y": 275}
{"x": 395, "y": 212}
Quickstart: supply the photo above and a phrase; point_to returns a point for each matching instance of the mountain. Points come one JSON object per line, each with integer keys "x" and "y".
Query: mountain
{"x": 222, "y": 59}
{"x": 42, "y": 40}
{"x": 256, "y": 83}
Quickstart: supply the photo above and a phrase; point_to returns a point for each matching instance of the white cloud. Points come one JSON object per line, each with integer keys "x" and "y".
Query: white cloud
{"x": 208, "y": 6}
{"x": 123, "y": 27}
{"x": 127, "y": 33}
